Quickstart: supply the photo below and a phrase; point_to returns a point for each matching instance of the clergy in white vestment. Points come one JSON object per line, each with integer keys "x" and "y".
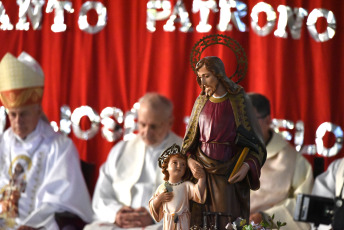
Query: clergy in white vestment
{"x": 285, "y": 174}
{"x": 40, "y": 172}
{"x": 330, "y": 184}
{"x": 130, "y": 175}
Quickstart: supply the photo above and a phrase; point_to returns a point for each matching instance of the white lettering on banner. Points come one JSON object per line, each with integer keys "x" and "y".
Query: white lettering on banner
{"x": 34, "y": 13}
{"x": 102, "y": 17}
{"x": 270, "y": 18}
{"x": 4, "y": 19}
{"x": 232, "y": 11}
{"x": 204, "y": 7}
{"x": 320, "y": 133}
{"x": 226, "y": 15}
{"x": 179, "y": 9}
{"x": 111, "y": 118}
{"x": 32, "y": 9}
{"x": 116, "y": 125}
{"x": 294, "y": 23}
{"x": 59, "y": 7}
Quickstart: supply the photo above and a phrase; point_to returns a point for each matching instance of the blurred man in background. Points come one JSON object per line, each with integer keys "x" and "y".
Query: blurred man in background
{"x": 130, "y": 175}
{"x": 40, "y": 171}
{"x": 285, "y": 173}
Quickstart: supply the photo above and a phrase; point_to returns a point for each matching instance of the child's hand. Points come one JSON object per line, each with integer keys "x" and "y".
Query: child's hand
{"x": 165, "y": 196}
{"x": 162, "y": 198}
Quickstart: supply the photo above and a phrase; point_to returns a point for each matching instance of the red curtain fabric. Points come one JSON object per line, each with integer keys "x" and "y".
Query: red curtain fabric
{"x": 116, "y": 66}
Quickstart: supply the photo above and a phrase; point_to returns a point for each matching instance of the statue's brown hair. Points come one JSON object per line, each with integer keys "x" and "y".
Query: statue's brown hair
{"x": 165, "y": 166}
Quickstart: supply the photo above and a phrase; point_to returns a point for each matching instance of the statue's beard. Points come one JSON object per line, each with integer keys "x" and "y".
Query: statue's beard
{"x": 210, "y": 90}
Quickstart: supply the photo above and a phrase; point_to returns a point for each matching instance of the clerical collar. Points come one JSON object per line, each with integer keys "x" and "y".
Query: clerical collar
{"x": 222, "y": 98}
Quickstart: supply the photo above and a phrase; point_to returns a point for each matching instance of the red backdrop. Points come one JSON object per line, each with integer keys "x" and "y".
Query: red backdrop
{"x": 117, "y": 65}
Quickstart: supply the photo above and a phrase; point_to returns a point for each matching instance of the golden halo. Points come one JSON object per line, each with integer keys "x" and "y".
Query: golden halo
{"x": 25, "y": 158}
{"x": 221, "y": 39}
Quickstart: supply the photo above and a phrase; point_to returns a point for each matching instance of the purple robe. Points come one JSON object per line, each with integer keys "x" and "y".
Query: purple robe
{"x": 217, "y": 132}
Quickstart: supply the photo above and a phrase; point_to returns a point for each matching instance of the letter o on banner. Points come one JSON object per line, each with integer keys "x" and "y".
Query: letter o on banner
{"x": 94, "y": 118}
{"x": 320, "y": 133}
{"x": 270, "y": 18}
{"x": 111, "y": 129}
{"x": 331, "y": 24}
{"x": 102, "y": 17}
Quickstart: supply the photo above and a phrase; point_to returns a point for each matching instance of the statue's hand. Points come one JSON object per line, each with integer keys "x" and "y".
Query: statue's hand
{"x": 240, "y": 175}
{"x": 196, "y": 168}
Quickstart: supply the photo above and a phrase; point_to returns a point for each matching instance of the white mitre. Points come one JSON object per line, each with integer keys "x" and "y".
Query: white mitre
{"x": 21, "y": 81}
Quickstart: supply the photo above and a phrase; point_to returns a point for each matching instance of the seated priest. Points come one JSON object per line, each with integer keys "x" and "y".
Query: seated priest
{"x": 285, "y": 173}
{"x": 40, "y": 172}
{"x": 130, "y": 175}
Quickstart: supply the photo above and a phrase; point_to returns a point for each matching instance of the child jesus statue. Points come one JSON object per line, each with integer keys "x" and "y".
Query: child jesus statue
{"x": 171, "y": 199}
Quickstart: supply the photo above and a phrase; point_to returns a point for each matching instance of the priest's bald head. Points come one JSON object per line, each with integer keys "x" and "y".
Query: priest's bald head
{"x": 21, "y": 92}
{"x": 155, "y": 118}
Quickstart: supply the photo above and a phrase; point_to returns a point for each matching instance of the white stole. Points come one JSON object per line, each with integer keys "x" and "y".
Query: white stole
{"x": 340, "y": 180}
{"x": 130, "y": 164}
{"x": 128, "y": 170}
